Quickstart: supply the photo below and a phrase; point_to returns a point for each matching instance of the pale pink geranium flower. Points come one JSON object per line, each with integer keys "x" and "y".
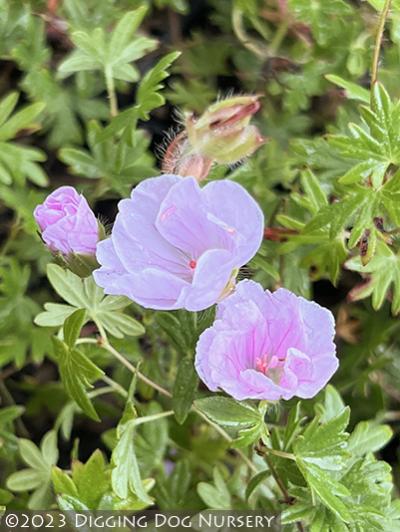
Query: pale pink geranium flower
{"x": 177, "y": 245}
{"x": 266, "y": 345}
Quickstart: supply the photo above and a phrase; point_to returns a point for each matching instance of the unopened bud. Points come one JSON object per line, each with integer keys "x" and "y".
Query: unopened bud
{"x": 70, "y": 230}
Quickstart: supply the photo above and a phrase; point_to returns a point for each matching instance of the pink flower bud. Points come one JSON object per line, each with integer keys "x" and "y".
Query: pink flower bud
{"x": 70, "y": 229}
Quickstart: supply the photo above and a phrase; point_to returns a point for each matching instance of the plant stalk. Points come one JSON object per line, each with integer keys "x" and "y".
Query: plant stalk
{"x": 378, "y": 41}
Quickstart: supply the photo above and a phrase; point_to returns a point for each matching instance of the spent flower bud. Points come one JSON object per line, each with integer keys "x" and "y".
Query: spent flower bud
{"x": 222, "y": 134}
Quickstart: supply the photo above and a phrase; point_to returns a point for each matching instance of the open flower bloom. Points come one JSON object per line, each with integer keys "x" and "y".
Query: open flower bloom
{"x": 176, "y": 245}
{"x": 266, "y": 345}
{"x": 67, "y": 222}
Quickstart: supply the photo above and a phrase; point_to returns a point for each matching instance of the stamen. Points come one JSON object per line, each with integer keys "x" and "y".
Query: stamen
{"x": 262, "y": 364}
{"x": 192, "y": 264}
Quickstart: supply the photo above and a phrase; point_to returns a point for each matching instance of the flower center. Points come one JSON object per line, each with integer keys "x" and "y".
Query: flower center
{"x": 262, "y": 364}
{"x": 192, "y": 264}
{"x": 270, "y": 366}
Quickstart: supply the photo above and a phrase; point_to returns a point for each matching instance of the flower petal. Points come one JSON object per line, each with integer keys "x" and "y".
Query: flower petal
{"x": 212, "y": 274}
{"x": 136, "y": 240}
{"x": 183, "y": 221}
{"x": 230, "y": 202}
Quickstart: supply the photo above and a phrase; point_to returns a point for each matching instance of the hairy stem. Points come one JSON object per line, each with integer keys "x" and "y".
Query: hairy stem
{"x": 378, "y": 41}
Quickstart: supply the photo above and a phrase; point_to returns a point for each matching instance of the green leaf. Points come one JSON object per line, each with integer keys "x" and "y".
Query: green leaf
{"x": 368, "y": 437}
{"x": 148, "y": 96}
{"x": 91, "y": 479}
{"x": 20, "y": 120}
{"x": 123, "y": 31}
{"x": 313, "y": 189}
{"x": 85, "y": 294}
{"x": 215, "y": 496}
{"x": 381, "y": 271}
{"x": 329, "y": 491}
{"x": 31, "y": 454}
{"x": 72, "y": 327}
{"x": 49, "y": 449}
{"x": 7, "y": 106}
{"x": 55, "y": 314}
{"x": 228, "y": 412}
{"x": 256, "y": 481}
{"x": 119, "y": 324}
{"x": 62, "y": 483}
{"x": 77, "y": 373}
{"x": 185, "y": 386}
{"x": 376, "y": 140}
{"x": 67, "y": 285}
{"x": 353, "y": 91}
{"x": 324, "y": 445}
{"x": 333, "y": 404}
{"x": 111, "y": 53}
{"x": 10, "y": 413}
{"x": 26, "y": 479}
{"x": 125, "y": 476}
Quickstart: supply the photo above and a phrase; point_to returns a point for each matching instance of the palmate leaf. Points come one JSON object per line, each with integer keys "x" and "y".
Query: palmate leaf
{"x": 77, "y": 373}
{"x": 349, "y": 487}
{"x": 125, "y": 476}
{"x": 88, "y": 483}
{"x": 326, "y": 253}
{"x": 119, "y": 164}
{"x": 324, "y": 445}
{"x": 357, "y": 211}
{"x": 18, "y": 163}
{"x": 320, "y": 450}
{"x": 382, "y": 273}
{"x": 374, "y": 145}
{"x": 37, "y": 476}
{"x": 113, "y": 53}
{"x": 149, "y": 97}
{"x": 216, "y": 496}
{"x": 85, "y": 294}
{"x": 321, "y": 16}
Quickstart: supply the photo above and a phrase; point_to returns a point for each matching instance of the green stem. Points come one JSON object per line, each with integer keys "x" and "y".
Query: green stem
{"x": 101, "y": 391}
{"x": 281, "y": 454}
{"x": 105, "y": 344}
{"x": 287, "y": 499}
{"x": 240, "y": 32}
{"x": 135, "y": 371}
{"x": 115, "y": 386}
{"x": 111, "y": 92}
{"x": 153, "y": 417}
{"x": 378, "y": 41}
{"x": 279, "y": 36}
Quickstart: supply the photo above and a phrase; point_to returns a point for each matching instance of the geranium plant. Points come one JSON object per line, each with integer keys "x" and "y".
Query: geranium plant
{"x": 199, "y": 262}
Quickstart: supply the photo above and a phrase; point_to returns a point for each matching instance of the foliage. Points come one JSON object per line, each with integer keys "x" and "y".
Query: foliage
{"x": 100, "y": 404}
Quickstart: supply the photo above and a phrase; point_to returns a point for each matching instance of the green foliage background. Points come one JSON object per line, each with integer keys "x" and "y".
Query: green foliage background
{"x": 99, "y": 400}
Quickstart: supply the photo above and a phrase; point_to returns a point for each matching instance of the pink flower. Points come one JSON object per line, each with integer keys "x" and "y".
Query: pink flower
{"x": 176, "y": 245}
{"x": 67, "y": 223}
{"x": 266, "y": 345}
